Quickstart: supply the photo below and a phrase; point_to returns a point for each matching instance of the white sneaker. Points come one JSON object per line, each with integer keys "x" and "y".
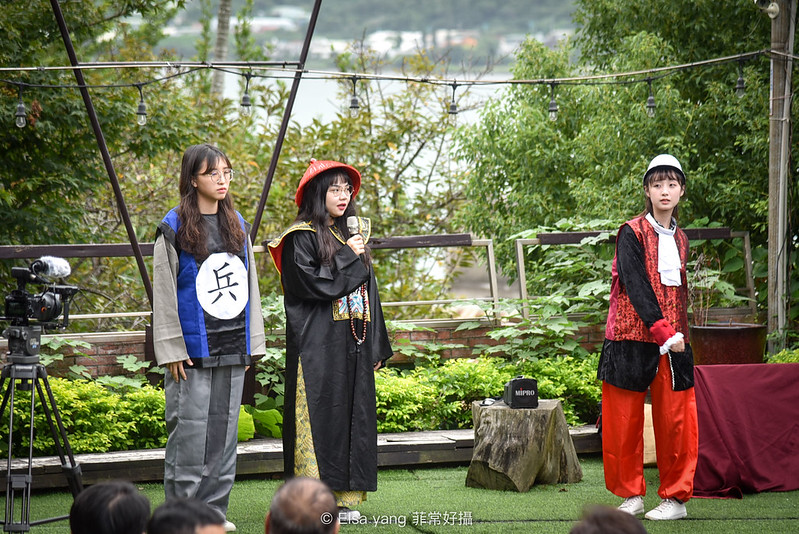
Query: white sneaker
{"x": 229, "y": 527}
{"x": 667, "y": 509}
{"x": 633, "y": 505}
{"x": 345, "y": 515}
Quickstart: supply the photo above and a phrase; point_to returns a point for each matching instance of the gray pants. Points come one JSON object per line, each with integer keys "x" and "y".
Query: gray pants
{"x": 202, "y": 415}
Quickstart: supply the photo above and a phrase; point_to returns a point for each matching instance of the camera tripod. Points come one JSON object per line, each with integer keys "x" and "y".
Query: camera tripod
{"x": 23, "y": 366}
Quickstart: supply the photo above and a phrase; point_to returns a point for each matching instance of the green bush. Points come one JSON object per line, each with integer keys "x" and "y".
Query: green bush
{"x": 144, "y": 408}
{"x": 95, "y": 419}
{"x": 404, "y": 403}
{"x": 440, "y": 396}
{"x": 459, "y": 382}
{"x": 785, "y": 356}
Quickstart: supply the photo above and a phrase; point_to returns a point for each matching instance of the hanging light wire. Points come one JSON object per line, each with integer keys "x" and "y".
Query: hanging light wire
{"x": 289, "y": 69}
{"x": 283, "y": 67}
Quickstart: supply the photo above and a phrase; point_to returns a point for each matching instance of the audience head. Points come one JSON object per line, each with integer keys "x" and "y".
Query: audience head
{"x": 607, "y": 520}
{"x": 114, "y": 507}
{"x": 302, "y": 506}
{"x": 185, "y": 516}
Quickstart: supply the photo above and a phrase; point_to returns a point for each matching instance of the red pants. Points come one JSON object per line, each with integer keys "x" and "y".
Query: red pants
{"x": 676, "y": 437}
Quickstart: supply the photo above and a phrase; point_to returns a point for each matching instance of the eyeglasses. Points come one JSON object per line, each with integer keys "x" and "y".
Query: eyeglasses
{"x": 336, "y": 190}
{"x": 216, "y": 176}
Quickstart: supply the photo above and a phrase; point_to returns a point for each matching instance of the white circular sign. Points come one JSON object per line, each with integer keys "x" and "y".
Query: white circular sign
{"x": 222, "y": 285}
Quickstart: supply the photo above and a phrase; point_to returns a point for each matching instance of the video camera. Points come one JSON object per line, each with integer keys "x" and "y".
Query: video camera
{"x": 45, "y": 307}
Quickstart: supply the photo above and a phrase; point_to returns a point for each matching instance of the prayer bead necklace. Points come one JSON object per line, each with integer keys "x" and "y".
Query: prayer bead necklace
{"x": 352, "y": 316}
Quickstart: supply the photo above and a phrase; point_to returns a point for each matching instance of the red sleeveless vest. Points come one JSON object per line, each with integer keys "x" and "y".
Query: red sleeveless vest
{"x": 623, "y": 321}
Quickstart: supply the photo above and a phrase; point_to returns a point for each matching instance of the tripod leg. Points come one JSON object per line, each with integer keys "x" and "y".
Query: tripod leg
{"x": 17, "y": 484}
{"x": 5, "y": 396}
{"x": 72, "y": 470}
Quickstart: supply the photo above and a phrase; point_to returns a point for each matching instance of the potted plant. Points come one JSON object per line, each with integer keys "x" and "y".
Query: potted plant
{"x": 716, "y": 342}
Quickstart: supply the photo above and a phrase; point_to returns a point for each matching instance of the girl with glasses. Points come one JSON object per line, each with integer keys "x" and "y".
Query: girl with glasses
{"x": 335, "y": 337}
{"x": 207, "y": 325}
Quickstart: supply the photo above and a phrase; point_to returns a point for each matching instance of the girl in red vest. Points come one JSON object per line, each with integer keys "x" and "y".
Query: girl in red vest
{"x": 646, "y": 348}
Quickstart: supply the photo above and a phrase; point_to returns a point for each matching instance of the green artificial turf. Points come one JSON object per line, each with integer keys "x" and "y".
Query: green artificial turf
{"x": 436, "y": 500}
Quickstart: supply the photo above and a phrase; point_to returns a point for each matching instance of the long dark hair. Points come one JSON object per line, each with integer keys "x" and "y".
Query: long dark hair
{"x": 658, "y": 175}
{"x": 191, "y": 234}
{"x": 314, "y": 210}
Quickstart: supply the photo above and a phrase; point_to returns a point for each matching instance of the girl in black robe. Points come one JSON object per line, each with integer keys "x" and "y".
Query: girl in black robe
{"x": 335, "y": 337}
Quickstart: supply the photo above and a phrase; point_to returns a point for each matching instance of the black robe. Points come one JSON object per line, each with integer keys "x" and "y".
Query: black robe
{"x": 338, "y": 373}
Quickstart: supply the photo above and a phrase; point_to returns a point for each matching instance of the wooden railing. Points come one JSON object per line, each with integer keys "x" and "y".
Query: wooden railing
{"x": 575, "y": 238}
{"x": 29, "y": 252}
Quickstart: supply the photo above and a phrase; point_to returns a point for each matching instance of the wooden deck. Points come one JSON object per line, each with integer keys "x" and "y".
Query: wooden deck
{"x": 264, "y": 457}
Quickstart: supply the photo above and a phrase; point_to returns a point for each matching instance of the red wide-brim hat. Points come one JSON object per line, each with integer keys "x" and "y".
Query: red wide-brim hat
{"x": 318, "y": 166}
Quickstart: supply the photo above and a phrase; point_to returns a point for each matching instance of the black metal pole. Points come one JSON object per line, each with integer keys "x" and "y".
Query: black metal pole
{"x": 98, "y": 133}
{"x": 286, "y": 116}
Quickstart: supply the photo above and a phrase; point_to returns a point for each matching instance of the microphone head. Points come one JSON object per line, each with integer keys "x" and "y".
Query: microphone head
{"x": 352, "y": 225}
{"x": 51, "y": 266}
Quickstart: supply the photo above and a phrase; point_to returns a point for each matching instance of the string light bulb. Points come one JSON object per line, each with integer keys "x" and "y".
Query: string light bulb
{"x": 355, "y": 105}
{"x": 21, "y": 116}
{"x": 141, "y": 111}
{"x": 650, "y": 102}
{"x": 553, "y": 105}
{"x": 740, "y": 85}
{"x": 245, "y": 107}
{"x": 453, "y": 106}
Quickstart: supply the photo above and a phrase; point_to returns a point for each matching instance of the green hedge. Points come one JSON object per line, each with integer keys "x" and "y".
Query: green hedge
{"x": 785, "y": 356}
{"x": 439, "y": 396}
{"x": 433, "y": 396}
{"x": 95, "y": 418}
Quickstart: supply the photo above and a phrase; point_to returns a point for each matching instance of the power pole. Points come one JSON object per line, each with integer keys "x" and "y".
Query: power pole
{"x": 782, "y": 41}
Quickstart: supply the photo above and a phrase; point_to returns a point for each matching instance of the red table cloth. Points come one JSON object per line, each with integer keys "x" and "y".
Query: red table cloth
{"x": 748, "y": 429}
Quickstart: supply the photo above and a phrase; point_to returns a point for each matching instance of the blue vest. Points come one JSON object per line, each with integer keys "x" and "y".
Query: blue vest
{"x": 194, "y": 321}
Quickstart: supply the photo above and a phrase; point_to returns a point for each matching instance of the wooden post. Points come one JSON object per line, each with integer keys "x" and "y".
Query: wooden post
{"x": 782, "y": 40}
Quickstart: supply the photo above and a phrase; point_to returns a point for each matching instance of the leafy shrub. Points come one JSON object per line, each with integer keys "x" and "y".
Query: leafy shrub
{"x": 95, "y": 419}
{"x": 404, "y": 402}
{"x": 785, "y": 356}
{"x": 420, "y": 352}
{"x": 144, "y": 408}
{"x": 459, "y": 382}
{"x": 267, "y": 422}
{"x": 576, "y": 275}
{"x": 246, "y": 428}
{"x": 270, "y": 368}
{"x": 440, "y": 397}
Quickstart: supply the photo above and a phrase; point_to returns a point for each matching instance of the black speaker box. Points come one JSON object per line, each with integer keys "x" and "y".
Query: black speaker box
{"x": 521, "y": 392}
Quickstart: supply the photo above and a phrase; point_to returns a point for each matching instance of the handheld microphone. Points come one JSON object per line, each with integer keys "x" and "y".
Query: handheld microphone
{"x": 51, "y": 267}
{"x": 352, "y": 225}
{"x": 354, "y": 228}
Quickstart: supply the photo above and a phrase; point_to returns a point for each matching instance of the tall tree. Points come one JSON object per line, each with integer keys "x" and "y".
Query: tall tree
{"x": 221, "y": 47}
{"x": 53, "y": 164}
{"x": 588, "y": 163}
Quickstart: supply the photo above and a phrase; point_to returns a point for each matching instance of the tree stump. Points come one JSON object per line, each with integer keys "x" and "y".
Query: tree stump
{"x": 516, "y": 448}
